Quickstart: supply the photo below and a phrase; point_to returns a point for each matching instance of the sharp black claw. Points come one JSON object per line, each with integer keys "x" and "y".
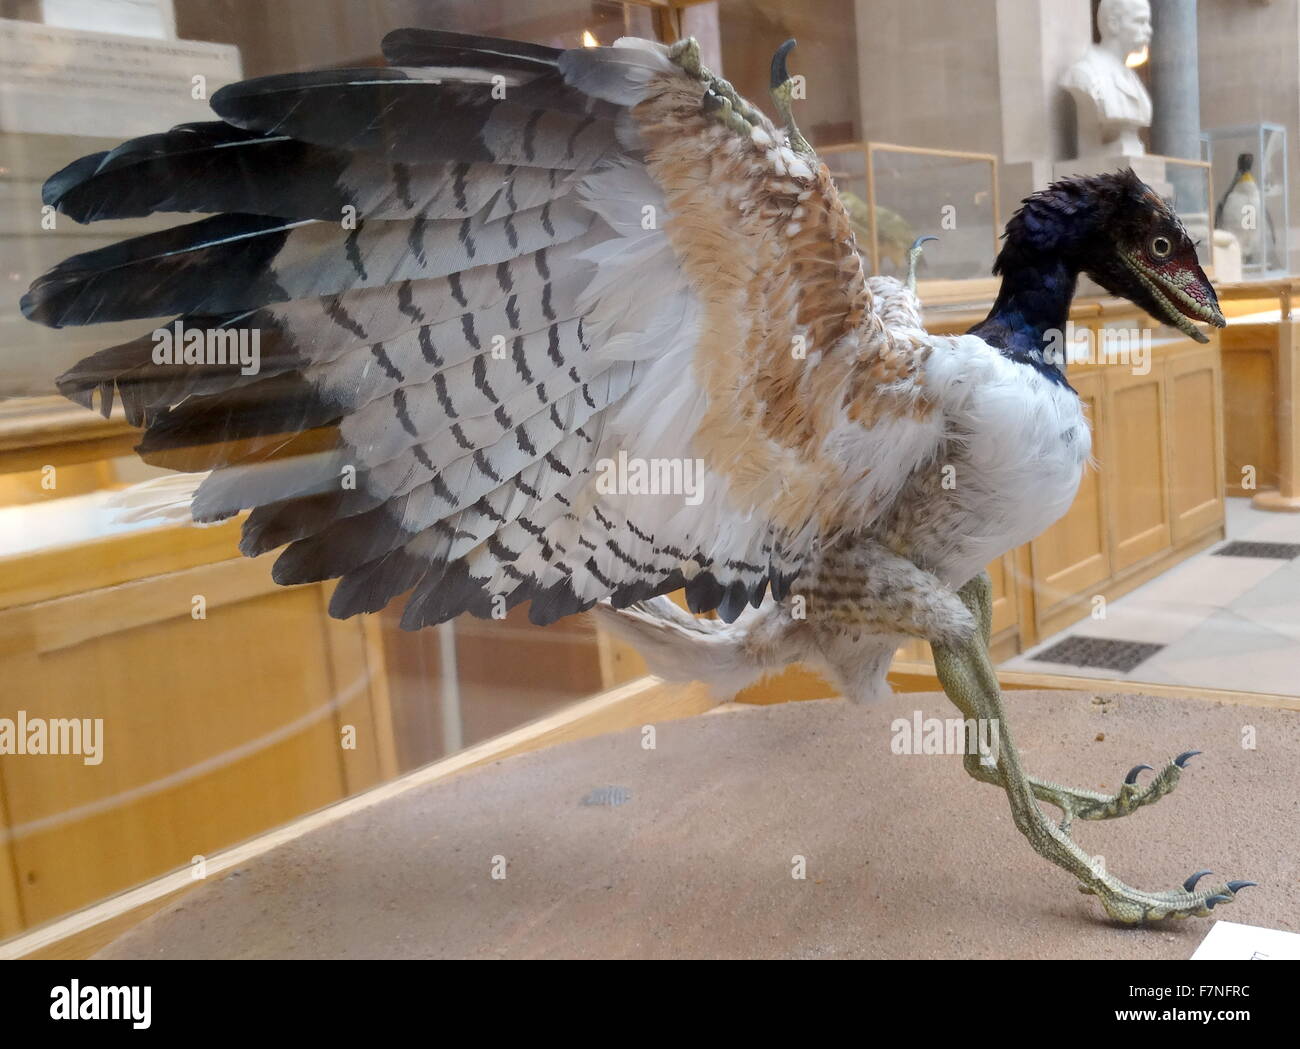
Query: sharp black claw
{"x": 1237, "y": 886}
{"x": 1184, "y": 757}
{"x": 1190, "y": 884}
{"x": 1217, "y": 898}
{"x": 1132, "y": 776}
{"x": 779, "y": 73}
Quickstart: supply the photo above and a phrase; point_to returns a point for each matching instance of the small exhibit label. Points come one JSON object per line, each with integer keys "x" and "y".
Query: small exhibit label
{"x": 1230, "y": 941}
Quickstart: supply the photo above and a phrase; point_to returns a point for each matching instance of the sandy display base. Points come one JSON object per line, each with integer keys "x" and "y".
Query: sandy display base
{"x": 904, "y": 855}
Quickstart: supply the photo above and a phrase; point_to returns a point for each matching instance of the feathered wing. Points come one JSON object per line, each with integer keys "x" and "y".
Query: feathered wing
{"x": 478, "y": 280}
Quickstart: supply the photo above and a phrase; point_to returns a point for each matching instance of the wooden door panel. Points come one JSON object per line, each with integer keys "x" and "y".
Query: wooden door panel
{"x": 1135, "y": 465}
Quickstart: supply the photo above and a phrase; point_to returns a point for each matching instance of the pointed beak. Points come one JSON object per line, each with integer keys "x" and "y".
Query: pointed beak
{"x": 1180, "y": 292}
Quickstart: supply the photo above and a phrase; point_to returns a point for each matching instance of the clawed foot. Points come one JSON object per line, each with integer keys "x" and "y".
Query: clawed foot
{"x": 1091, "y": 805}
{"x": 1131, "y": 905}
{"x": 971, "y": 683}
{"x": 1123, "y": 902}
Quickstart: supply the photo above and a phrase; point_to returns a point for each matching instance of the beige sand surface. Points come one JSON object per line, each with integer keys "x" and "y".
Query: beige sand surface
{"x": 905, "y": 857}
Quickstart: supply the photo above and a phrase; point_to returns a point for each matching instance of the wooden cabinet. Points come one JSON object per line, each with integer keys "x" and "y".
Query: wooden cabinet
{"x": 1002, "y": 577}
{"x": 1250, "y": 386}
{"x": 1194, "y": 410}
{"x": 215, "y": 727}
{"x": 1261, "y": 392}
{"x": 1134, "y": 470}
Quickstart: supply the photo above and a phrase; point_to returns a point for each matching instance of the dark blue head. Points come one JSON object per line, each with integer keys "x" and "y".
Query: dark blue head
{"x": 1119, "y": 232}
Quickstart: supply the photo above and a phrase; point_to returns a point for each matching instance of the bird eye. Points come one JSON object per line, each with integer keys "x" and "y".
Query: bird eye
{"x": 1161, "y": 247}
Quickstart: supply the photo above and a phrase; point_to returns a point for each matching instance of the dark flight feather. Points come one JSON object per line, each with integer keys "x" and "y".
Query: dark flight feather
{"x": 213, "y": 167}
{"x": 412, "y": 116}
{"x": 438, "y": 47}
{"x": 198, "y": 268}
{"x": 382, "y": 436}
{"x": 232, "y": 262}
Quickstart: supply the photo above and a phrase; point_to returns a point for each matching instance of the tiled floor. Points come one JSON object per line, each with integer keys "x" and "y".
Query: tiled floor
{"x": 1229, "y": 622}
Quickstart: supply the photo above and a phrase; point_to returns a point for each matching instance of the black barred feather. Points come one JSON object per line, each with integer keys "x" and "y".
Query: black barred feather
{"x": 198, "y": 268}
{"x": 414, "y": 116}
{"x": 370, "y": 587}
{"x": 529, "y": 403}
{"x": 487, "y": 388}
{"x": 431, "y": 397}
{"x": 399, "y": 508}
{"x": 213, "y": 167}
{"x": 206, "y": 167}
{"x": 146, "y": 387}
{"x": 327, "y": 327}
{"x": 517, "y": 332}
{"x": 523, "y": 508}
{"x": 427, "y": 491}
{"x": 231, "y": 263}
{"x": 308, "y": 333}
{"x": 279, "y": 404}
{"x": 455, "y": 592}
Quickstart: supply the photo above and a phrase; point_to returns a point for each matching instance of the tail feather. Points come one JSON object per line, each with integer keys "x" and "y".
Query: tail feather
{"x": 679, "y": 647}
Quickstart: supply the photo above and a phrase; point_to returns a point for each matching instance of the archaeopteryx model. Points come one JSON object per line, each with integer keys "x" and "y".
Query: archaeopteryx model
{"x": 480, "y": 276}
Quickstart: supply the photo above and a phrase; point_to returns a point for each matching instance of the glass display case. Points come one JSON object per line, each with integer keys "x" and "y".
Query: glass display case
{"x": 898, "y": 193}
{"x": 1250, "y": 172}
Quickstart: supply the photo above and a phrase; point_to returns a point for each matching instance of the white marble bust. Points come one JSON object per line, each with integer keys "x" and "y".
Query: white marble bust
{"x": 1109, "y": 97}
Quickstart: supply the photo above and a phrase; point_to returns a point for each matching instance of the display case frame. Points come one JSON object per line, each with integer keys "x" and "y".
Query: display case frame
{"x": 964, "y": 289}
{"x": 1279, "y": 221}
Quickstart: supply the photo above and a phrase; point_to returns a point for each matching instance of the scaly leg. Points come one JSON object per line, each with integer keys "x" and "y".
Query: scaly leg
{"x": 1074, "y": 802}
{"x": 970, "y": 682}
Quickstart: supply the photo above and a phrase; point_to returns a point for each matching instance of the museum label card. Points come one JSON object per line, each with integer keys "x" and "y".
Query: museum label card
{"x": 1230, "y": 941}
{"x": 59, "y": 81}
{"x": 153, "y": 18}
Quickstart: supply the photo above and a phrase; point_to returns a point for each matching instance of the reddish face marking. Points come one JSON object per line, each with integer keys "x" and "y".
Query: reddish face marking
{"x": 1172, "y": 258}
